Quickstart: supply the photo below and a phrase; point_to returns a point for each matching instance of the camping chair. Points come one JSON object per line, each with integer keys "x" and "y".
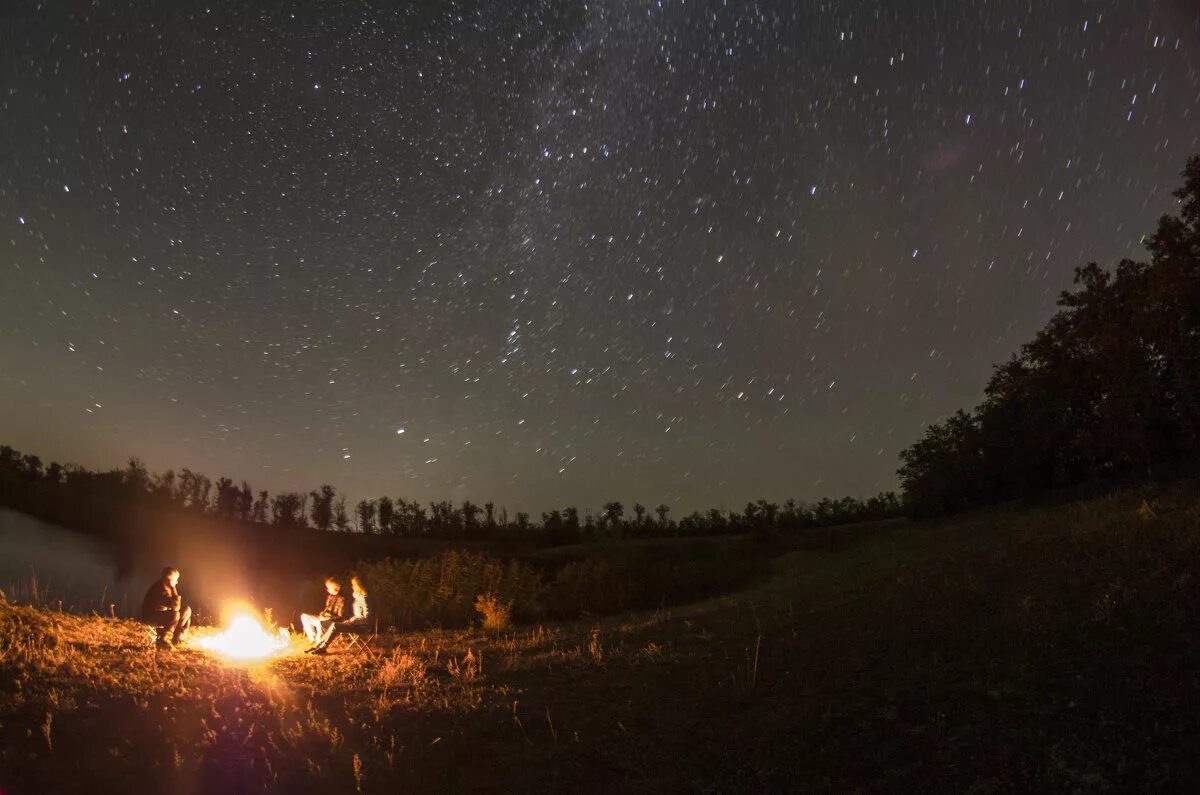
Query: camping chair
{"x": 361, "y": 638}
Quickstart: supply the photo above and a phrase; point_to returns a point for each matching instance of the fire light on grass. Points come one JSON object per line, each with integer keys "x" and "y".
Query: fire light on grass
{"x": 245, "y": 638}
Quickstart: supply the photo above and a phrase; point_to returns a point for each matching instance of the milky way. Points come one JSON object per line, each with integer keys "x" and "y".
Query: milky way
{"x": 554, "y": 254}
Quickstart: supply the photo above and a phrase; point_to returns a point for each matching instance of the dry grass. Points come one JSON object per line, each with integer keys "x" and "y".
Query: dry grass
{"x": 496, "y": 612}
{"x": 1007, "y": 650}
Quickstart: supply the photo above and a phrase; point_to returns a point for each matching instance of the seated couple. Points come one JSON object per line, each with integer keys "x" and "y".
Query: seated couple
{"x": 322, "y": 628}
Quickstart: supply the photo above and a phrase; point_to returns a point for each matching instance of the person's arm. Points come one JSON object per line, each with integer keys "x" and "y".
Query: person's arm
{"x": 339, "y": 607}
{"x": 158, "y": 599}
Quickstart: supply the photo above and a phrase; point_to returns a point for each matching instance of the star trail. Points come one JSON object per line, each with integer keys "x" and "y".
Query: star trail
{"x": 557, "y": 253}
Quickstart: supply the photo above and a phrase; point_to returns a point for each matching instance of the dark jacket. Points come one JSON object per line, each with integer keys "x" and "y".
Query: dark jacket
{"x": 335, "y": 606}
{"x": 160, "y": 598}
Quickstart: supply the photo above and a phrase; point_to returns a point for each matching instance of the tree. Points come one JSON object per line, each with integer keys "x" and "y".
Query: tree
{"x": 164, "y": 489}
{"x": 1171, "y": 311}
{"x": 245, "y": 504}
{"x": 410, "y": 518}
{"x": 195, "y": 489}
{"x": 613, "y": 511}
{"x": 365, "y": 511}
{"x": 137, "y": 479}
{"x": 321, "y": 508}
{"x": 31, "y": 466}
{"x": 444, "y": 519}
{"x": 571, "y": 521}
{"x": 387, "y": 516}
{"x": 228, "y": 497}
{"x": 341, "y": 522}
{"x": 552, "y": 524}
{"x": 287, "y": 510}
{"x": 470, "y": 515}
{"x": 1108, "y": 391}
{"x": 259, "y": 512}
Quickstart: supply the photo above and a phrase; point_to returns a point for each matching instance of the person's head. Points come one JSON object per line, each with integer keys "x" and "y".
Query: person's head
{"x": 170, "y": 575}
{"x": 332, "y": 585}
{"x": 357, "y": 586}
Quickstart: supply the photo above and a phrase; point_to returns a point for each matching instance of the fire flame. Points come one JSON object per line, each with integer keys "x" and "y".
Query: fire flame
{"x": 246, "y": 639}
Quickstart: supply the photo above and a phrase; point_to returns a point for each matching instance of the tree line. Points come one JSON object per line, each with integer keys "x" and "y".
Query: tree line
{"x": 77, "y": 497}
{"x": 1107, "y": 392}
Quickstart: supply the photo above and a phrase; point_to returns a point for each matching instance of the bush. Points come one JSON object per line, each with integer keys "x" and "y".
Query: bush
{"x": 453, "y": 589}
{"x": 496, "y": 613}
{"x": 442, "y": 591}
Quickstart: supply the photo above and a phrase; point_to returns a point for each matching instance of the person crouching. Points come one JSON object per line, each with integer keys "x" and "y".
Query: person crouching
{"x": 162, "y": 609}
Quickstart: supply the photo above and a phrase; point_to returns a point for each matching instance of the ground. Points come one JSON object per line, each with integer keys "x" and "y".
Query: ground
{"x": 1010, "y": 649}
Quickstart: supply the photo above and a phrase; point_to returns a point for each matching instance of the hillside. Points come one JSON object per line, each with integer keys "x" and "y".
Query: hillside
{"x": 1012, "y": 649}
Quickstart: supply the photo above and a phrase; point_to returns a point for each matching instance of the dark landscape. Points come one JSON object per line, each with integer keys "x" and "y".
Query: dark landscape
{"x": 1003, "y": 650}
{"x": 600, "y": 397}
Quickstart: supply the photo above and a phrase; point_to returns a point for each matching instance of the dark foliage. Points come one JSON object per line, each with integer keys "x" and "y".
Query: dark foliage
{"x": 106, "y": 503}
{"x": 1107, "y": 392}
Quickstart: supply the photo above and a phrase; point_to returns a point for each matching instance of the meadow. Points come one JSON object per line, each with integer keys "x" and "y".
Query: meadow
{"x": 1014, "y": 648}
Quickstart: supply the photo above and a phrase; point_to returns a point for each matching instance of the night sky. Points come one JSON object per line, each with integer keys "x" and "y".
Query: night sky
{"x": 555, "y": 253}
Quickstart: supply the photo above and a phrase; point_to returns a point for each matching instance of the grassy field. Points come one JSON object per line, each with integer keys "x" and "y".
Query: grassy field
{"x": 1007, "y": 650}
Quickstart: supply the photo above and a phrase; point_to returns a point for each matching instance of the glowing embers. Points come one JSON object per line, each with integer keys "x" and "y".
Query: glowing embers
{"x": 245, "y": 638}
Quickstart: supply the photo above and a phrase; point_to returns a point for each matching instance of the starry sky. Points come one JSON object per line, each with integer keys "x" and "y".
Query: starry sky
{"x": 557, "y": 253}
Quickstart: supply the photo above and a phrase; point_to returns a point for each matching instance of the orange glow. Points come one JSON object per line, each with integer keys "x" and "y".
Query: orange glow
{"x": 245, "y": 638}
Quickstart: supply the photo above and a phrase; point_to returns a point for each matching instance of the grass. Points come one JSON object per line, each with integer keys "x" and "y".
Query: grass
{"x": 1007, "y": 650}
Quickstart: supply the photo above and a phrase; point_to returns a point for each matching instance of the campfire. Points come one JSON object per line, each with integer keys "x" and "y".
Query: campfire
{"x": 245, "y": 638}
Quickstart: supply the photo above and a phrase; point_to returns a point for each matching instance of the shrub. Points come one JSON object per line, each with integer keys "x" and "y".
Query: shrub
{"x": 442, "y": 591}
{"x": 496, "y": 613}
{"x": 452, "y": 589}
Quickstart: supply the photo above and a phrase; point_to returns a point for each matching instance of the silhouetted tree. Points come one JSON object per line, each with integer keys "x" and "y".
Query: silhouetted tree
{"x": 387, "y": 516}
{"x": 245, "y": 502}
{"x": 164, "y": 489}
{"x": 365, "y": 512}
{"x": 613, "y": 511}
{"x": 321, "y": 507}
{"x": 341, "y": 522}
{"x": 470, "y": 517}
{"x": 259, "y": 512}
{"x": 287, "y": 510}
{"x": 1107, "y": 391}
{"x": 571, "y": 522}
{"x": 228, "y": 497}
{"x": 137, "y": 479}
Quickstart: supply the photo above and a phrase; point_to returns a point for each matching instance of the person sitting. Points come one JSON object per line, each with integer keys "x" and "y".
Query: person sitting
{"x": 335, "y": 608}
{"x": 356, "y": 623}
{"x": 162, "y": 609}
